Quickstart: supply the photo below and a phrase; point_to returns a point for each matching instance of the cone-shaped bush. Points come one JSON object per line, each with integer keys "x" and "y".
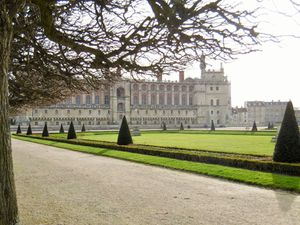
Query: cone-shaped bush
{"x": 83, "y": 128}
{"x": 181, "y": 126}
{"x": 29, "y": 131}
{"x": 124, "y": 137}
{"x": 19, "y": 129}
{"x": 71, "y": 131}
{"x": 164, "y": 126}
{"x": 269, "y": 126}
{"x": 287, "y": 145}
{"x": 254, "y": 127}
{"x": 212, "y": 126}
{"x": 61, "y": 129}
{"x": 45, "y": 131}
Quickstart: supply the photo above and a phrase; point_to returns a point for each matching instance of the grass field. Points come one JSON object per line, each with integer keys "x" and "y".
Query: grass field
{"x": 244, "y": 144}
{"x": 241, "y": 175}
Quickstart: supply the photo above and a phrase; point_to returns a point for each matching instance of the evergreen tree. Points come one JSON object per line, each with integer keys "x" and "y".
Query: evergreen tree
{"x": 269, "y": 126}
{"x": 212, "y": 126}
{"x": 71, "y": 131}
{"x": 124, "y": 137}
{"x": 181, "y": 126}
{"x": 19, "y": 129}
{"x": 164, "y": 126}
{"x": 254, "y": 127}
{"x": 83, "y": 128}
{"x": 45, "y": 131}
{"x": 287, "y": 145}
{"x": 61, "y": 130}
{"x": 29, "y": 131}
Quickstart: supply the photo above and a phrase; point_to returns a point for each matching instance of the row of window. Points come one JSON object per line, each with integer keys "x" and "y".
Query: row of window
{"x": 212, "y": 88}
{"x": 217, "y": 102}
{"x": 162, "y": 87}
{"x": 88, "y": 100}
{"x": 161, "y": 99}
{"x": 68, "y": 111}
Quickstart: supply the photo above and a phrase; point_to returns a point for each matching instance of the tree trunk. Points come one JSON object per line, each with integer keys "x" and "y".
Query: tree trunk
{"x": 8, "y": 201}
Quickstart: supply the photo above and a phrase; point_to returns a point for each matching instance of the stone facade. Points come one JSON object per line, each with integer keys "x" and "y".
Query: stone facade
{"x": 194, "y": 102}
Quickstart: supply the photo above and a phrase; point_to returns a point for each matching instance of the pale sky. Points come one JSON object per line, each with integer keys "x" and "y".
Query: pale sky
{"x": 274, "y": 72}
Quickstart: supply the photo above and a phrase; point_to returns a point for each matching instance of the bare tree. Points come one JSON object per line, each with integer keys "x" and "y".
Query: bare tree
{"x": 48, "y": 48}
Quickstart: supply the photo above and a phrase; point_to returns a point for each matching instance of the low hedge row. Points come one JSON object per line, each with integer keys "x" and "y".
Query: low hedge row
{"x": 203, "y": 157}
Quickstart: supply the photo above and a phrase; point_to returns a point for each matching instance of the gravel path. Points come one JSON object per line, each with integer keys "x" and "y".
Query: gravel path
{"x": 61, "y": 187}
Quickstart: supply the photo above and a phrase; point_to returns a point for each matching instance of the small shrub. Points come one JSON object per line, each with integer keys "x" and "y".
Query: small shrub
{"x": 29, "y": 131}
{"x": 181, "y": 126}
{"x": 212, "y": 126}
{"x": 45, "y": 131}
{"x": 124, "y": 137}
{"x": 71, "y": 131}
{"x": 164, "y": 126}
{"x": 19, "y": 131}
{"x": 287, "y": 147}
{"x": 254, "y": 127}
{"x": 61, "y": 130}
{"x": 83, "y": 128}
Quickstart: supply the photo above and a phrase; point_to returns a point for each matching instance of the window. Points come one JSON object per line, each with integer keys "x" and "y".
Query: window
{"x": 144, "y": 99}
{"x": 176, "y": 88}
{"x": 176, "y": 99}
{"x": 36, "y": 123}
{"x": 120, "y": 107}
{"x": 217, "y": 88}
{"x": 68, "y": 111}
{"x": 153, "y": 99}
{"x": 183, "y": 99}
{"x": 218, "y": 112}
{"x": 218, "y": 121}
{"x": 211, "y": 88}
{"x": 211, "y": 112}
{"x": 90, "y": 112}
{"x": 218, "y": 102}
{"x": 169, "y": 88}
{"x": 46, "y": 111}
{"x": 161, "y": 87}
{"x": 106, "y": 100}
{"x": 144, "y": 87}
{"x": 190, "y": 100}
{"x": 161, "y": 98}
{"x": 56, "y": 112}
{"x": 169, "y": 99}
{"x": 88, "y": 100}
{"x": 36, "y": 111}
{"x": 183, "y": 88}
{"x": 136, "y": 87}
{"x": 97, "y": 100}
{"x": 191, "y": 88}
{"x": 135, "y": 100}
{"x": 57, "y": 123}
{"x": 153, "y": 87}
{"x": 77, "y": 100}
{"x": 79, "y": 122}
{"x": 79, "y": 112}
{"x": 99, "y": 112}
{"x": 211, "y": 102}
{"x": 120, "y": 92}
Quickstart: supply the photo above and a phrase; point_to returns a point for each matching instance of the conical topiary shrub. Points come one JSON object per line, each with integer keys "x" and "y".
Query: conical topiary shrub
{"x": 71, "y": 131}
{"x": 19, "y": 130}
{"x": 124, "y": 137}
{"x": 29, "y": 131}
{"x": 287, "y": 145}
{"x": 254, "y": 127}
{"x": 164, "y": 126}
{"x": 83, "y": 128}
{"x": 181, "y": 126}
{"x": 45, "y": 131}
{"x": 61, "y": 129}
{"x": 269, "y": 126}
{"x": 212, "y": 126}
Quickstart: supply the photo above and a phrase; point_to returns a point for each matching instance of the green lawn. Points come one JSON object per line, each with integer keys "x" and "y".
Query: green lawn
{"x": 246, "y": 176}
{"x": 244, "y": 144}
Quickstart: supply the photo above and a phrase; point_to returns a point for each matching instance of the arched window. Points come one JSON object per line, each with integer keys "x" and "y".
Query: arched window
{"x": 144, "y": 87}
{"x": 218, "y": 102}
{"x": 191, "y": 100}
{"x": 106, "y": 100}
{"x": 144, "y": 99}
{"x": 135, "y": 100}
{"x": 183, "y": 99}
{"x": 169, "y": 88}
{"x": 183, "y": 88}
{"x": 176, "y": 88}
{"x": 77, "y": 99}
{"x": 176, "y": 99}
{"x": 97, "y": 100}
{"x": 153, "y": 99}
{"x": 153, "y": 87}
{"x": 169, "y": 99}
{"x": 88, "y": 100}
{"x": 120, "y": 107}
{"x": 120, "y": 92}
{"x": 136, "y": 87}
{"x": 161, "y": 87}
{"x": 161, "y": 99}
{"x": 191, "y": 88}
{"x": 211, "y": 102}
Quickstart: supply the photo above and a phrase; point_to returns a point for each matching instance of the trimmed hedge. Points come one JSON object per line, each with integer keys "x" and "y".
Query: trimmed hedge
{"x": 195, "y": 156}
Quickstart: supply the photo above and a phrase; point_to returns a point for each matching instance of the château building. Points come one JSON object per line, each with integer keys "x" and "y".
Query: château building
{"x": 195, "y": 102}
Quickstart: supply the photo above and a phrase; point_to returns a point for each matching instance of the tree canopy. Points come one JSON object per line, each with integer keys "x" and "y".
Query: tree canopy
{"x": 60, "y": 46}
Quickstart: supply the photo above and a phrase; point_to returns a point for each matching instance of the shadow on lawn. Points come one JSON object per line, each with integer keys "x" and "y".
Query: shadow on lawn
{"x": 285, "y": 199}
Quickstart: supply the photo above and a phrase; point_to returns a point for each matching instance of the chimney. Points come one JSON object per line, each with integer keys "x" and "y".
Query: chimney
{"x": 181, "y": 76}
